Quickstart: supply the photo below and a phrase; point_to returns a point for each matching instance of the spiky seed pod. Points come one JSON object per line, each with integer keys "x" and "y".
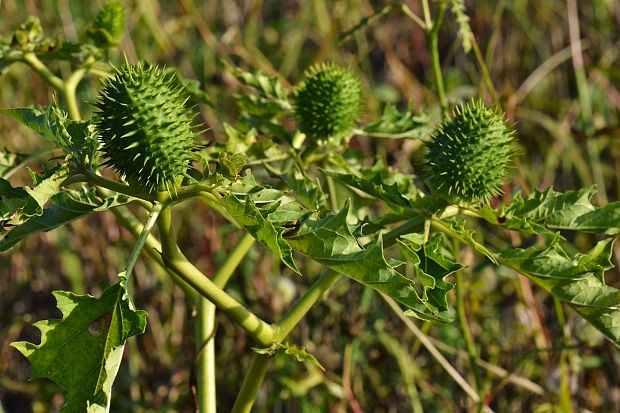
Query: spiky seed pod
{"x": 470, "y": 155}
{"x": 144, "y": 126}
{"x": 327, "y": 102}
{"x": 109, "y": 25}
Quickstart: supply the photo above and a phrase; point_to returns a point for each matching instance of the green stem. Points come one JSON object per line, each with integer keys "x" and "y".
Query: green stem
{"x": 142, "y": 238}
{"x": 205, "y": 361}
{"x": 564, "y": 390}
{"x": 433, "y": 42}
{"x": 119, "y": 187}
{"x": 33, "y": 61}
{"x": 69, "y": 91}
{"x": 152, "y": 246}
{"x": 205, "y": 329}
{"x": 427, "y": 13}
{"x": 297, "y": 312}
{"x": 469, "y": 340}
{"x": 227, "y": 269}
{"x": 177, "y": 262}
{"x": 486, "y": 77}
{"x": 251, "y": 383}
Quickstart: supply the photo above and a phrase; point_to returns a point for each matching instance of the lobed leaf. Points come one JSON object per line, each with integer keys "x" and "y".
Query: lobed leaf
{"x": 82, "y": 351}
{"x": 394, "y": 124}
{"x": 375, "y": 187}
{"x": 547, "y": 211}
{"x": 577, "y": 280}
{"x": 75, "y": 137}
{"x": 431, "y": 267}
{"x": 330, "y": 241}
{"x": 66, "y": 206}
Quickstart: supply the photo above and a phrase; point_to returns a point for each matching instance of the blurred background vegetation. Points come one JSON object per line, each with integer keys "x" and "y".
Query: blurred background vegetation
{"x": 536, "y": 357}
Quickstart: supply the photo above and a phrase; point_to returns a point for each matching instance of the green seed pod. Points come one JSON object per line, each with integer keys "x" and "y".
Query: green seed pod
{"x": 109, "y": 25}
{"x": 470, "y": 155}
{"x": 327, "y": 102}
{"x": 144, "y": 127}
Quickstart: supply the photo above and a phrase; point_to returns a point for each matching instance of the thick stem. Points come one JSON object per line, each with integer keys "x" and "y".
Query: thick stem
{"x": 205, "y": 329}
{"x": 284, "y": 326}
{"x": 205, "y": 361}
{"x": 119, "y": 187}
{"x": 152, "y": 246}
{"x": 251, "y": 383}
{"x": 69, "y": 92}
{"x": 177, "y": 262}
{"x": 43, "y": 71}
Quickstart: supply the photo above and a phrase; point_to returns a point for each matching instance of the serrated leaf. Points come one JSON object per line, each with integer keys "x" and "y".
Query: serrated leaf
{"x": 231, "y": 164}
{"x": 47, "y": 185}
{"x": 18, "y": 205}
{"x": 394, "y": 124}
{"x": 431, "y": 267}
{"x": 267, "y": 86}
{"x": 458, "y": 230}
{"x": 66, "y": 206}
{"x": 257, "y": 223}
{"x": 374, "y": 187}
{"x": 330, "y": 241}
{"x": 547, "y": 211}
{"x": 300, "y": 354}
{"x": 577, "y": 280}
{"x": 53, "y": 124}
{"x": 82, "y": 351}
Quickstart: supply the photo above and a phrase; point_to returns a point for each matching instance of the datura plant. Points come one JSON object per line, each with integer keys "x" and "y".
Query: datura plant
{"x": 395, "y": 234}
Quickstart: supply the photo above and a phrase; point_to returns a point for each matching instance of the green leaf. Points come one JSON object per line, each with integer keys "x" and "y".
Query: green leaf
{"x": 394, "y": 124}
{"x": 300, "y": 354}
{"x": 546, "y": 211}
{"x": 375, "y": 187}
{"x": 578, "y": 280}
{"x": 330, "y": 241}
{"x": 257, "y": 222}
{"x": 76, "y": 137}
{"x": 267, "y": 86}
{"x": 66, "y": 206}
{"x": 47, "y": 185}
{"x": 17, "y": 205}
{"x": 431, "y": 267}
{"x": 82, "y": 351}
{"x": 230, "y": 165}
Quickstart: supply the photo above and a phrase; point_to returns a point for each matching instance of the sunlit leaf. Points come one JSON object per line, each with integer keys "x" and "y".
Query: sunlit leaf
{"x": 546, "y": 211}
{"x": 431, "y": 267}
{"x": 394, "y": 124}
{"x": 82, "y": 351}
{"x": 577, "y": 280}
{"x": 330, "y": 241}
{"x": 65, "y": 207}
